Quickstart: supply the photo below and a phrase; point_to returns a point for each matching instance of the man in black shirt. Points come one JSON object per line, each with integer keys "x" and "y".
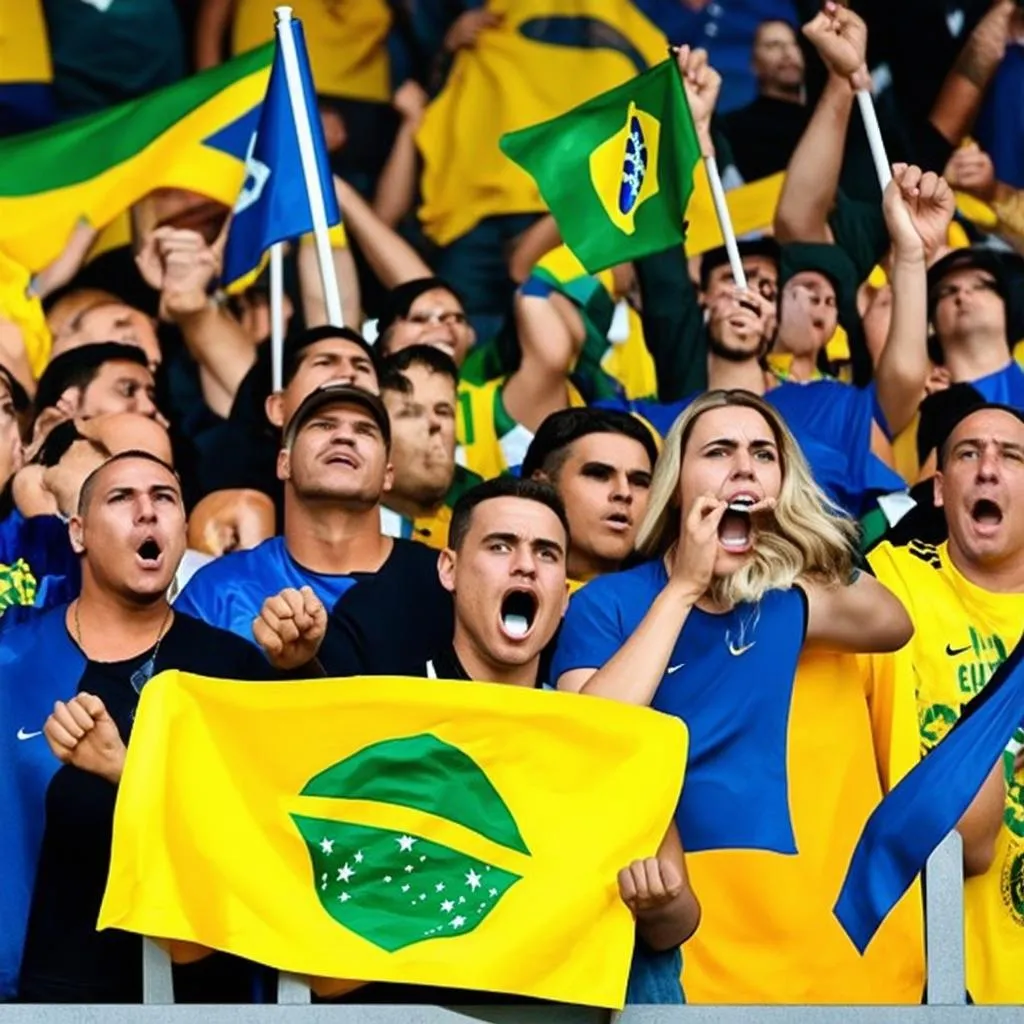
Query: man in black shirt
{"x": 88, "y": 662}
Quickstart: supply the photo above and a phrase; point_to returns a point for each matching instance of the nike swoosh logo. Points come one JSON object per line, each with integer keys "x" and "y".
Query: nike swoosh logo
{"x": 675, "y": 668}
{"x": 737, "y": 651}
{"x": 22, "y": 735}
{"x": 954, "y": 651}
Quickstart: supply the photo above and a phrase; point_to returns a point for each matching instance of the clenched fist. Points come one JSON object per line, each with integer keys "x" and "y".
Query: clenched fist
{"x": 291, "y": 627}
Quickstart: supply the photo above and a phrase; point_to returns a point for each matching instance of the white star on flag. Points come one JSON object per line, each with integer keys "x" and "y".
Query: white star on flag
{"x": 387, "y": 878}
{"x": 345, "y": 873}
{"x": 492, "y": 892}
{"x": 439, "y": 887}
{"x": 344, "y": 897}
{"x": 405, "y": 843}
{"x": 457, "y": 922}
{"x": 406, "y": 888}
{"x": 327, "y": 845}
{"x": 473, "y": 880}
{"x": 408, "y": 868}
{"x": 448, "y": 906}
{"x": 358, "y": 858}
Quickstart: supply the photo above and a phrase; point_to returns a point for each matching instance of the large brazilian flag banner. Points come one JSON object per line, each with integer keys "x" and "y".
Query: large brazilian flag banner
{"x": 445, "y": 833}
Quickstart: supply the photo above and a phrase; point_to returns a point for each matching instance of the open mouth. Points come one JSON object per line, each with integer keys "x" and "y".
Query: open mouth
{"x": 342, "y": 459}
{"x": 444, "y": 344}
{"x": 619, "y": 521}
{"x": 735, "y": 528}
{"x": 518, "y": 613}
{"x": 149, "y": 553}
{"x": 986, "y": 512}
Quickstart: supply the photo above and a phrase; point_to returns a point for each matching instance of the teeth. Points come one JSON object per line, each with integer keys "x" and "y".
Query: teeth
{"x": 739, "y": 544}
{"x": 515, "y": 625}
{"x": 741, "y": 505}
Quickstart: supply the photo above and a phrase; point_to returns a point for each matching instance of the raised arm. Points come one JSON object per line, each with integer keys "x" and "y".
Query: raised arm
{"x": 812, "y": 177}
{"x": 918, "y": 209}
{"x": 391, "y": 258}
{"x": 396, "y": 188}
{"x": 861, "y": 617}
{"x": 211, "y": 26}
{"x": 633, "y": 673}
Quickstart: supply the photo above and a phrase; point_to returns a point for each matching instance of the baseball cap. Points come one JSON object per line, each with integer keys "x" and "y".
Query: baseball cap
{"x": 971, "y": 258}
{"x": 715, "y": 258}
{"x": 335, "y": 394}
{"x": 18, "y": 394}
{"x": 400, "y": 299}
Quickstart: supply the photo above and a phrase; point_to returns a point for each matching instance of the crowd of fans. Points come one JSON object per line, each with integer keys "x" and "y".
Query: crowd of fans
{"x": 791, "y": 514}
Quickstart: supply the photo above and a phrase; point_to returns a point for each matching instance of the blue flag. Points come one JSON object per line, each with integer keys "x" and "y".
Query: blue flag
{"x": 273, "y": 205}
{"x": 927, "y": 804}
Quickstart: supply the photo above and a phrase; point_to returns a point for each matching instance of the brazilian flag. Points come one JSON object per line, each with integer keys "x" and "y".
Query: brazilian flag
{"x": 617, "y": 171}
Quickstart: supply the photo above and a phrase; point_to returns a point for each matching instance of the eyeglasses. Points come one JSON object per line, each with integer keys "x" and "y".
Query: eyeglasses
{"x": 435, "y": 317}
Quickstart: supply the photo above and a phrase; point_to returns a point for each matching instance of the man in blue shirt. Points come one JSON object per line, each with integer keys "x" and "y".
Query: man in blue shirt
{"x": 334, "y": 465}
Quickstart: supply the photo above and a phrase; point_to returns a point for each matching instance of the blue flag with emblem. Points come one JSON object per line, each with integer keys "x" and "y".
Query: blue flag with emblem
{"x": 927, "y": 804}
{"x": 274, "y": 205}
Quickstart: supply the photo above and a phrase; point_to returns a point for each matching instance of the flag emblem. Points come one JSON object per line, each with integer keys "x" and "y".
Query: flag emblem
{"x": 395, "y": 889}
{"x": 623, "y": 169}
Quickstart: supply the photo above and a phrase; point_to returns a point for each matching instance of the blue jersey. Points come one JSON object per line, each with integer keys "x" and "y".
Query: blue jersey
{"x": 38, "y": 567}
{"x": 831, "y": 422}
{"x": 730, "y": 679}
{"x": 229, "y": 592}
{"x": 1005, "y": 386}
{"x": 39, "y": 664}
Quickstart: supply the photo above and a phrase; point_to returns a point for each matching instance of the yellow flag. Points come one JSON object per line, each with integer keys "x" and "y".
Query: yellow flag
{"x": 455, "y": 834}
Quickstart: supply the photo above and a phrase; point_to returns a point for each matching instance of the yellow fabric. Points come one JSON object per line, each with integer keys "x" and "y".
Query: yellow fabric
{"x": 575, "y": 585}
{"x": 976, "y": 211}
{"x": 208, "y": 849}
{"x": 346, "y": 41}
{"x": 507, "y": 81}
{"x": 837, "y": 348}
{"x": 767, "y": 932}
{"x": 481, "y": 424}
{"x": 34, "y": 229}
{"x": 24, "y": 43}
{"x": 630, "y": 362}
{"x": 27, "y": 313}
{"x": 962, "y": 635}
{"x": 751, "y": 208}
{"x": 904, "y": 451}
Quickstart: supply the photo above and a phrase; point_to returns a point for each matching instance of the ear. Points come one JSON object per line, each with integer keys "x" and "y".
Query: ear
{"x": 937, "y": 496}
{"x": 565, "y": 600}
{"x": 76, "y": 535}
{"x": 274, "y": 409}
{"x": 284, "y": 464}
{"x": 389, "y": 478}
{"x": 446, "y": 562}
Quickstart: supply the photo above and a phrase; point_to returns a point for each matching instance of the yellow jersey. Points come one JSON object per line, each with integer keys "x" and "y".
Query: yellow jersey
{"x": 431, "y": 529}
{"x": 767, "y": 932}
{"x": 962, "y": 635}
{"x": 490, "y": 441}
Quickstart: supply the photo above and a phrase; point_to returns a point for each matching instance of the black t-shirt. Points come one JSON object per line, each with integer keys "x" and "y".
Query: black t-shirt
{"x": 392, "y": 621}
{"x": 66, "y": 960}
{"x": 764, "y": 134}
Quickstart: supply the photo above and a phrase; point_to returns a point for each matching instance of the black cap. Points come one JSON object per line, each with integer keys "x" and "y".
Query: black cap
{"x": 18, "y": 394}
{"x": 714, "y": 258}
{"x": 971, "y": 258}
{"x": 333, "y": 394}
{"x": 823, "y": 258}
{"x": 66, "y": 369}
{"x": 400, "y": 299}
{"x": 567, "y": 425}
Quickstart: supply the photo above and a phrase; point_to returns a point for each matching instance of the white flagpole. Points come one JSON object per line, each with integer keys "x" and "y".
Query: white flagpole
{"x": 277, "y": 315}
{"x": 725, "y": 221}
{"x": 307, "y": 153}
{"x": 874, "y": 133}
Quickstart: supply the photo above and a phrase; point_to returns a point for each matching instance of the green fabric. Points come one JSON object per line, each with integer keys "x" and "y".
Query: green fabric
{"x": 464, "y": 480}
{"x": 617, "y": 171}
{"x": 80, "y": 150}
{"x": 858, "y": 228}
{"x": 483, "y": 363}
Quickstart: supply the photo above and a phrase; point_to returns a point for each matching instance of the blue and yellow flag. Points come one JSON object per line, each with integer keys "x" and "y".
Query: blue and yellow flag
{"x": 274, "y": 204}
{"x": 396, "y": 830}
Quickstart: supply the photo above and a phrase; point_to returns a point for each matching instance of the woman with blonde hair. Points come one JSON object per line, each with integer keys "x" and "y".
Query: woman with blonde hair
{"x": 750, "y": 571}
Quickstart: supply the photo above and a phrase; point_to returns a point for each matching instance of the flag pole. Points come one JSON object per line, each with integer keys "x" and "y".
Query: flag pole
{"x": 725, "y": 221}
{"x": 874, "y": 133}
{"x": 307, "y": 153}
{"x": 277, "y": 315}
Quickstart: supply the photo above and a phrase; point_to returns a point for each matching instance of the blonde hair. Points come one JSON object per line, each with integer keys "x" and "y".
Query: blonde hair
{"x": 811, "y": 537}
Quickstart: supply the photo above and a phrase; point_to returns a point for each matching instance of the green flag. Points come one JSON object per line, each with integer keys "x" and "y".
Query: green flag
{"x": 617, "y": 171}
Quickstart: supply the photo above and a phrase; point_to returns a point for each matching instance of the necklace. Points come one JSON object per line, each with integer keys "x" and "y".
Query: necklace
{"x": 144, "y": 672}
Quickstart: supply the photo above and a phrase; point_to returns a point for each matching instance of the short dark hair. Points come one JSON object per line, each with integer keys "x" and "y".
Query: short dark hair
{"x": 715, "y": 258}
{"x": 297, "y": 345}
{"x": 393, "y": 367}
{"x": 79, "y": 367}
{"x": 59, "y": 441}
{"x": 89, "y": 484}
{"x": 400, "y": 299}
{"x": 501, "y": 487}
{"x": 958, "y": 415}
{"x": 550, "y": 445}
